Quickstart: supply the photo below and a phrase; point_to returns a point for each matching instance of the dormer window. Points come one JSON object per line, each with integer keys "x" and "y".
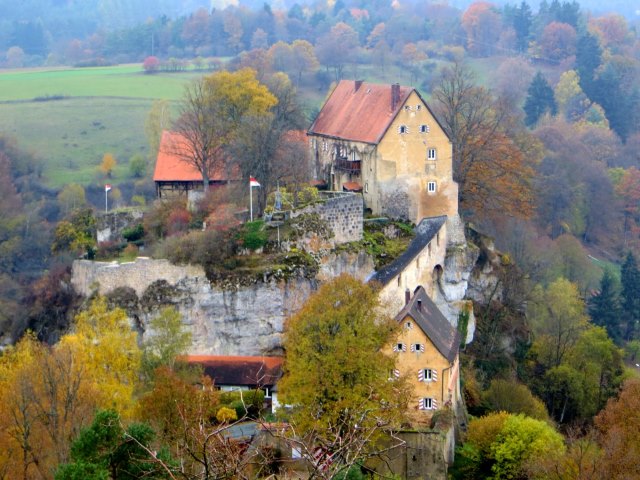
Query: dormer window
{"x": 402, "y": 129}
{"x": 424, "y": 128}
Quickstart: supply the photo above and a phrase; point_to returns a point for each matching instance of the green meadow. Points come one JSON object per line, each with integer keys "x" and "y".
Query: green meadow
{"x": 70, "y": 118}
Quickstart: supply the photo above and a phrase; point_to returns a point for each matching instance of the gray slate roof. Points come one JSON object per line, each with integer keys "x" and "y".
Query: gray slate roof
{"x": 425, "y": 231}
{"x": 433, "y": 323}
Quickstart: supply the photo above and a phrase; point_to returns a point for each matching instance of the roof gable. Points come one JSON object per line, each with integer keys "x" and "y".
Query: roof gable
{"x": 433, "y": 323}
{"x": 359, "y": 111}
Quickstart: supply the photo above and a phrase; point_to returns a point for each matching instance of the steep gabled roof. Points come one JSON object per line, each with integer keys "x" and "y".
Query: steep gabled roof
{"x": 425, "y": 231}
{"x": 433, "y": 323}
{"x": 359, "y": 111}
{"x": 240, "y": 371}
{"x": 170, "y": 164}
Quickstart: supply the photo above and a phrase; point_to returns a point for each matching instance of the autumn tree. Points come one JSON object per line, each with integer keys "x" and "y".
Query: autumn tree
{"x": 212, "y": 111}
{"x": 158, "y": 119}
{"x": 619, "y": 424}
{"x": 502, "y": 445}
{"x": 482, "y": 23}
{"x": 540, "y": 100}
{"x": 165, "y": 340}
{"x": 108, "y": 164}
{"x": 336, "y": 377}
{"x": 71, "y": 197}
{"x": 492, "y": 159}
{"x": 558, "y": 41}
{"x": 336, "y": 48}
{"x": 104, "y": 343}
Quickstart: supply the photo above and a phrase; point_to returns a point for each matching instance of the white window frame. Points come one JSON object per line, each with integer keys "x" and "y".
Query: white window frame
{"x": 432, "y": 187}
{"x": 424, "y": 128}
{"x": 427, "y": 375}
{"x": 432, "y": 154}
{"x": 403, "y": 129}
{"x": 417, "y": 347}
{"x": 400, "y": 347}
{"x": 428, "y": 403}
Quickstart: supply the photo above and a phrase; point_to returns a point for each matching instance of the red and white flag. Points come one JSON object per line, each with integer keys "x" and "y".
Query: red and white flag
{"x": 253, "y": 182}
{"x": 107, "y": 187}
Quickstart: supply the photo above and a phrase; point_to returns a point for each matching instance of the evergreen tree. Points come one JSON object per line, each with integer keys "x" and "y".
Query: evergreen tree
{"x": 604, "y": 308}
{"x": 630, "y": 277}
{"x": 588, "y": 59}
{"x": 540, "y": 99}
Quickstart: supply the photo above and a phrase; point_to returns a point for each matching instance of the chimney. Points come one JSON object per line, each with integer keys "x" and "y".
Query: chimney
{"x": 407, "y": 296}
{"x": 358, "y": 84}
{"x": 419, "y": 305}
{"x": 395, "y": 96}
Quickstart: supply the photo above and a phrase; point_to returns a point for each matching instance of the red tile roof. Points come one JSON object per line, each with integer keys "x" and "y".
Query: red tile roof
{"x": 352, "y": 187}
{"x": 239, "y": 371}
{"x": 170, "y": 166}
{"x": 361, "y": 114}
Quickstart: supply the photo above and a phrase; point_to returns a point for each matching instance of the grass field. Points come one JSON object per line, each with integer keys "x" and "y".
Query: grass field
{"x": 103, "y": 110}
{"x": 100, "y": 110}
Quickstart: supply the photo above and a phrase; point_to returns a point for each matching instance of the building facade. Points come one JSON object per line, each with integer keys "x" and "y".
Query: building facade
{"x": 385, "y": 141}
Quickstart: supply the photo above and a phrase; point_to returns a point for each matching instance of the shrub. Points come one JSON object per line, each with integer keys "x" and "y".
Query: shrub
{"x": 244, "y": 402}
{"x": 253, "y": 235}
{"x": 226, "y": 414}
{"x": 134, "y": 233}
{"x": 151, "y": 64}
{"x": 137, "y": 166}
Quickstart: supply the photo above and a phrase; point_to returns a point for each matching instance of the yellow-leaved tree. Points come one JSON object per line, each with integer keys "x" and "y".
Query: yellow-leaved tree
{"x": 106, "y": 346}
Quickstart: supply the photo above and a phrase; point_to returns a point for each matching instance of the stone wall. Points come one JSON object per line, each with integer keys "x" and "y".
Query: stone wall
{"x": 343, "y": 213}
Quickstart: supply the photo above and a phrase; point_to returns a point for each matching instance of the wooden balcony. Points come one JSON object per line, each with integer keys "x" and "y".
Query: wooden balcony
{"x": 343, "y": 164}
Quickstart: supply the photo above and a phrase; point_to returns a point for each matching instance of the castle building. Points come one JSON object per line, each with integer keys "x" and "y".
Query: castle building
{"x": 385, "y": 141}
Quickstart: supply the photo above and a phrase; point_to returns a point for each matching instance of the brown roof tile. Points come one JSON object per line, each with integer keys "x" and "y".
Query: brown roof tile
{"x": 361, "y": 114}
{"x": 240, "y": 371}
{"x": 170, "y": 167}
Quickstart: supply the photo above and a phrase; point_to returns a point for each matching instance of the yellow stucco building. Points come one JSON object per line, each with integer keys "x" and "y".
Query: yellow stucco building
{"x": 427, "y": 348}
{"x": 385, "y": 141}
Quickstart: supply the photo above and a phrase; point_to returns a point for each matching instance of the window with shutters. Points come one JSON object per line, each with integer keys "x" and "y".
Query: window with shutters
{"x": 428, "y": 403}
{"x": 417, "y": 347}
{"x": 402, "y": 129}
{"x": 427, "y": 375}
{"x": 408, "y": 325}
{"x": 424, "y": 128}
{"x": 394, "y": 374}
{"x": 400, "y": 347}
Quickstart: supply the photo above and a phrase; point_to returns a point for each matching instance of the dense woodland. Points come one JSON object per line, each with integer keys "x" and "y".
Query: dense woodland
{"x": 541, "y": 104}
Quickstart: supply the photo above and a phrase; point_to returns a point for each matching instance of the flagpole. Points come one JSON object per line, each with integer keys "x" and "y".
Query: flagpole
{"x": 251, "y": 200}
{"x": 106, "y": 200}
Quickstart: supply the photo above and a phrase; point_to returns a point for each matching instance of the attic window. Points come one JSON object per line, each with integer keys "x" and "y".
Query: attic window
{"x": 408, "y": 325}
{"x": 407, "y": 108}
{"x": 418, "y": 107}
{"x": 402, "y": 129}
{"x": 424, "y": 128}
